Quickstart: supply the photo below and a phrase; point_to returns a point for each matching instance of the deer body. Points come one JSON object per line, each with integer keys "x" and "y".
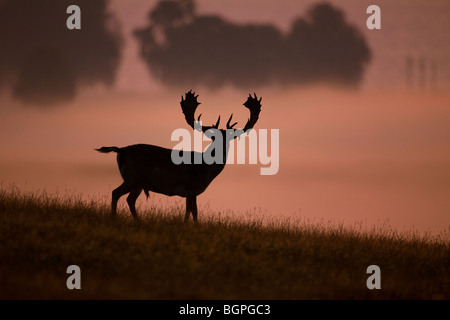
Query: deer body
{"x": 150, "y": 168}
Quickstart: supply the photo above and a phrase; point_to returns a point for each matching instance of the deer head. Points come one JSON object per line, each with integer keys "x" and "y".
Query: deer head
{"x": 190, "y": 103}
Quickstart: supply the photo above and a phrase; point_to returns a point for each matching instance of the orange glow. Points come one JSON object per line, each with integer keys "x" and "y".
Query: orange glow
{"x": 349, "y": 157}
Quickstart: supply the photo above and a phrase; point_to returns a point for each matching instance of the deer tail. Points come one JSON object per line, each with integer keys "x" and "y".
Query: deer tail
{"x": 108, "y": 149}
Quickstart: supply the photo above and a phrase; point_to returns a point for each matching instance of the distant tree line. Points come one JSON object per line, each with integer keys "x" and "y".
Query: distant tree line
{"x": 183, "y": 48}
{"x": 44, "y": 63}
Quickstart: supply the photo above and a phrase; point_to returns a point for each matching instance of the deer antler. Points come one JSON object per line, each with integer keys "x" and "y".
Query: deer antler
{"x": 188, "y": 105}
{"x": 254, "y": 105}
{"x": 228, "y": 123}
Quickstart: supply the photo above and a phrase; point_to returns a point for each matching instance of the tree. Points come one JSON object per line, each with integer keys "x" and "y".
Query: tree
{"x": 43, "y": 61}
{"x": 181, "y": 48}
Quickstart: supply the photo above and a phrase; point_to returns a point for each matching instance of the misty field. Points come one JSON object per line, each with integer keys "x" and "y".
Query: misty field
{"x": 162, "y": 258}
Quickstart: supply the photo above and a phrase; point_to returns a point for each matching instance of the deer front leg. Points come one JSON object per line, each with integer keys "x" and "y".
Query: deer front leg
{"x": 188, "y": 209}
{"x": 194, "y": 208}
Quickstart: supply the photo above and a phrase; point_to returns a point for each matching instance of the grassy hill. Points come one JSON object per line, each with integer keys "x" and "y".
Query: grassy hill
{"x": 162, "y": 258}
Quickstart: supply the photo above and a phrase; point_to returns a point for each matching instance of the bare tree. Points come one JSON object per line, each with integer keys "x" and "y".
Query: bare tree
{"x": 151, "y": 168}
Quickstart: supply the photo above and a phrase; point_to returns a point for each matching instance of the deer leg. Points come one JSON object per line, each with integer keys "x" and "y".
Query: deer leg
{"x": 131, "y": 200}
{"x": 188, "y": 209}
{"x": 116, "y": 194}
{"x": 194, "y": 208}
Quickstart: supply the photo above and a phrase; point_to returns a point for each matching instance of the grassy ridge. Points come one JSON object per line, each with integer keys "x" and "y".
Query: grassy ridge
{"x": 162, "y": 258}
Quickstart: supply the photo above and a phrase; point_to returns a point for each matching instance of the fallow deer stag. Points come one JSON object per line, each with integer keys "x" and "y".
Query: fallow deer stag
{"x": 150, "y": 168}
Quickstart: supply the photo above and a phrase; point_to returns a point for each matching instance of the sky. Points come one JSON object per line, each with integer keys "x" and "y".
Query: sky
{"x": 378, "y": 154}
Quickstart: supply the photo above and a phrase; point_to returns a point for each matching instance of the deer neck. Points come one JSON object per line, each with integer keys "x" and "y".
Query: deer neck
{"x": 215, "y": 156}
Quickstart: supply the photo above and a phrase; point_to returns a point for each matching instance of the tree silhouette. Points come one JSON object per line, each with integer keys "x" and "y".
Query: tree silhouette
{"x": 323, "y": 47}
{"x": 46, "y": 77}
{"x": 183, "y": 48}
{"x": 43, "y": 61}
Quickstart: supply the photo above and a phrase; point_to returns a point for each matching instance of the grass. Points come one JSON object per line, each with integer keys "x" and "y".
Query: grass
{"x": 162, "y": 258}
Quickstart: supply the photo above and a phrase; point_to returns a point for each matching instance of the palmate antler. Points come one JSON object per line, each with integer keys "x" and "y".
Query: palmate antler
{"x": 189, "y": 104}
{"x": 254, "y": 105}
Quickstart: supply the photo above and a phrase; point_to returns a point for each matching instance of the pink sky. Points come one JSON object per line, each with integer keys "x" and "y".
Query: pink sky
{"x": 343, "y": 156}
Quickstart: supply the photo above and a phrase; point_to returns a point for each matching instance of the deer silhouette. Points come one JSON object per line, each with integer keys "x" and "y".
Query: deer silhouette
{"x": 150, "y": 168}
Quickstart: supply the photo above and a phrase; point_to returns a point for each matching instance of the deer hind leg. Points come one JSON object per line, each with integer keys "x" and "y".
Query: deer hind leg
{"x": 116, "y": 194}
{"x": 131, "y": 200}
